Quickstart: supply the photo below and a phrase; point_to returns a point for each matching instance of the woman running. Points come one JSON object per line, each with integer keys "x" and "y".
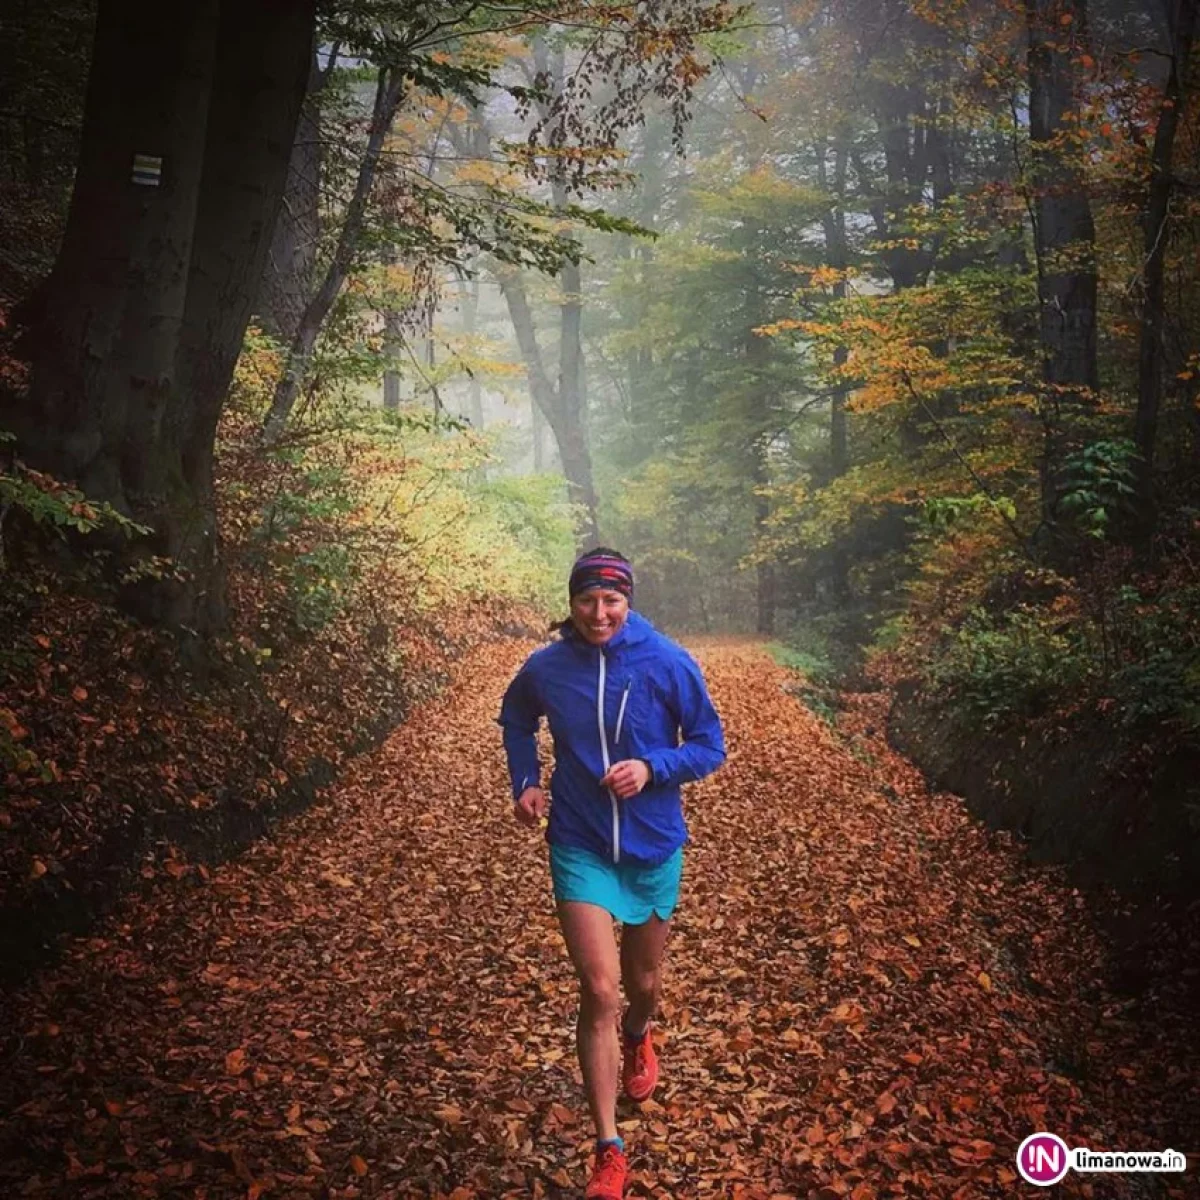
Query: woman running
{"x": 631, "y": 721}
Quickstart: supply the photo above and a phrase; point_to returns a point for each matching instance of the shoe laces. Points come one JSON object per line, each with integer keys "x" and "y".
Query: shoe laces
{"x": 610, "y": 1166}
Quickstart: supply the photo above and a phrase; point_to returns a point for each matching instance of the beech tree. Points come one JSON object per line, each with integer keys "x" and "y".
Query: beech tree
{"x": 189, "y": 119}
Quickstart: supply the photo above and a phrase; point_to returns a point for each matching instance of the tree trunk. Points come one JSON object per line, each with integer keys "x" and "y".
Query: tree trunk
{"x": 1156, "y": 237}
{"x": 571, "y": 396}
{"x": 388, "y": 93}
{"x": 287, "y": 278}
{"x": 758, "y": 353}
{"x": 107, "y": 319}
{"x": 264, "y": 48}
{"x": 431, "y": 360}
{"x": 566, "y": 422}
{"x": 1064, "y": 235}
{"x": 393, "y": 341}
{"x": 393, "y": 344}
{"x": 765, "y": 582}
{"x": 136, "y": 331}
{"x": 104, "y": 408}
{"x": 837, "y": 255}
{"x": 539, "y": 436}
{"x": 470, "y": 303}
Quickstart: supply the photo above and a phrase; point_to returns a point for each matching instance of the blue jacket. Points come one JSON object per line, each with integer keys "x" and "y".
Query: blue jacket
{"x": 652, "y": 693}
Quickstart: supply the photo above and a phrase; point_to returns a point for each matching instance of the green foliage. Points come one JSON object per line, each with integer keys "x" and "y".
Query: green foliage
{"x": 368, "y": 515}
{"x": 50, "y": 503}
{"x": 715, "y": 412}
{"x": 534, "y": 529}
{"x": 1133, "y": 656}
{"x": 1099, "y": 485}
{"x": 941, "y": 513}
{"x": 816, "y": 677}
{"x": 995, "y": 667}
{"x": 1158, "y": 637}
{"x": 317, "y": 582}
{"x": 819, "y": 669}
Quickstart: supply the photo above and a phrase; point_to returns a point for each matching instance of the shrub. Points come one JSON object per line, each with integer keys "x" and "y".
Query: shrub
{"x": 1001, "y": 666}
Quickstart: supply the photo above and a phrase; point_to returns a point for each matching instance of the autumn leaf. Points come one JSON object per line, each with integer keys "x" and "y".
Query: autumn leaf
{"x": 788, "y": 1068}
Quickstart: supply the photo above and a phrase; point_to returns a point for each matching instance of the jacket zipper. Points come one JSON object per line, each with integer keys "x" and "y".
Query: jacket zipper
{"x": 621, "y": 713}
{"x": 616, "y": 812}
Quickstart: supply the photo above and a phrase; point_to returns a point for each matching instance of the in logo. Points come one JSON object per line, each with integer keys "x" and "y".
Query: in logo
{"x": 1043, "y": 1159}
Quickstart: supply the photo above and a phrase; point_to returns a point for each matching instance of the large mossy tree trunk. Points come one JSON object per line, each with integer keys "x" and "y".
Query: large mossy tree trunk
{"x": 134, "y": 335}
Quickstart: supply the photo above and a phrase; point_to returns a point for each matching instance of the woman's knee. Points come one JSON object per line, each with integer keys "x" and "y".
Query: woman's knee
{"x": 600, "y": 997}
{"x": 641, "y": 985}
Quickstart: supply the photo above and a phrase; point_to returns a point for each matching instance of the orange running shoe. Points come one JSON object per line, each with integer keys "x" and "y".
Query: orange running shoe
{"x": 608, "y": 1175}
{"x": 639, "y": 1066}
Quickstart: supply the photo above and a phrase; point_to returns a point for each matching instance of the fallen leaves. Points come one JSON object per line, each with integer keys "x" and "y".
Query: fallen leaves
{"x": 376, "y": 1002}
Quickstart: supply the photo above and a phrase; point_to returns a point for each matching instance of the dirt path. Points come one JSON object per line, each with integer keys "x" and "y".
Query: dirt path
{"x": 867, "y": 996}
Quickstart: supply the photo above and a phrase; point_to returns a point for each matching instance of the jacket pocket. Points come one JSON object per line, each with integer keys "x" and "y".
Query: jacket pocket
{"x": 645, "y": 718}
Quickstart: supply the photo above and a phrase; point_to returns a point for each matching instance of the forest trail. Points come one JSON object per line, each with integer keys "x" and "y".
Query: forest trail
{"x": 867, "y": 995}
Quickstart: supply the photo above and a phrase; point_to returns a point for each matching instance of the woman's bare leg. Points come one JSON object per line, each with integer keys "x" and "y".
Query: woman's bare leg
{"x": 641, "y": 961}
{"x": 592, "y": 945}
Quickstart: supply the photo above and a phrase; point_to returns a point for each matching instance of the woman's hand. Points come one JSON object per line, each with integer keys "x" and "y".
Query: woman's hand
{"x": 626, "y": 778}
{"x": 530, "y": 808}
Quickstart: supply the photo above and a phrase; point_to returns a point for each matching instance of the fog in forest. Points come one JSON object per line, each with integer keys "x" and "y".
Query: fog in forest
{"x": 333, "y": 331}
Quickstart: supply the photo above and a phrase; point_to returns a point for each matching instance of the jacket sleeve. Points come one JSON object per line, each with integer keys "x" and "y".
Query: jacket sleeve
{"x": 703, "y": 747}
{"x": 520, "y": 714}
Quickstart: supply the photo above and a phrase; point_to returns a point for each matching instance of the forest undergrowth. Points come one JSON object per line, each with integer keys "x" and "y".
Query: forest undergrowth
{"x": 868, "y": 994}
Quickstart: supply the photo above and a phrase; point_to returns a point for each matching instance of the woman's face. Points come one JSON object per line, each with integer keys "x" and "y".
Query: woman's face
{"x": 598, "y": 614}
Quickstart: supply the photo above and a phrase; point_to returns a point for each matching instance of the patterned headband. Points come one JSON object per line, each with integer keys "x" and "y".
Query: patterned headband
{"x": 601, "y": 571}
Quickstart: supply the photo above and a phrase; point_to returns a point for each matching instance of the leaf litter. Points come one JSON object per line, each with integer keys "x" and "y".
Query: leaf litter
{"x": 866, "y": 994}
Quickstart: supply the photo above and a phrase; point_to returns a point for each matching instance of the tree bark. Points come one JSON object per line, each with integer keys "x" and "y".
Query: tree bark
{"x": 1156, "y": 237}
{"x": 758, "y": 355}
{"x": 134, "y": 335}
{"x": 104, "y": 405}
{"x": 388, "y": 93}
{"x": 106, "y": 322}
{"x": 264, "y": 48}
{"x": 287, "y": 278}
{"x": 565, "y": 420}
{"x": 470, "y": 303}
{"x": 838, "y": 257}
{"x": 539, "y": 436}
{"x": 393, "y": 341}
{"x": 1064, "y": 234}
{"x": 766, "y": 597}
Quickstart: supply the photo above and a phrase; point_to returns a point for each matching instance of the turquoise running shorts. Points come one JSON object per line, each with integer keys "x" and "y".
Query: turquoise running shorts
{"x": 630, "y": 891}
